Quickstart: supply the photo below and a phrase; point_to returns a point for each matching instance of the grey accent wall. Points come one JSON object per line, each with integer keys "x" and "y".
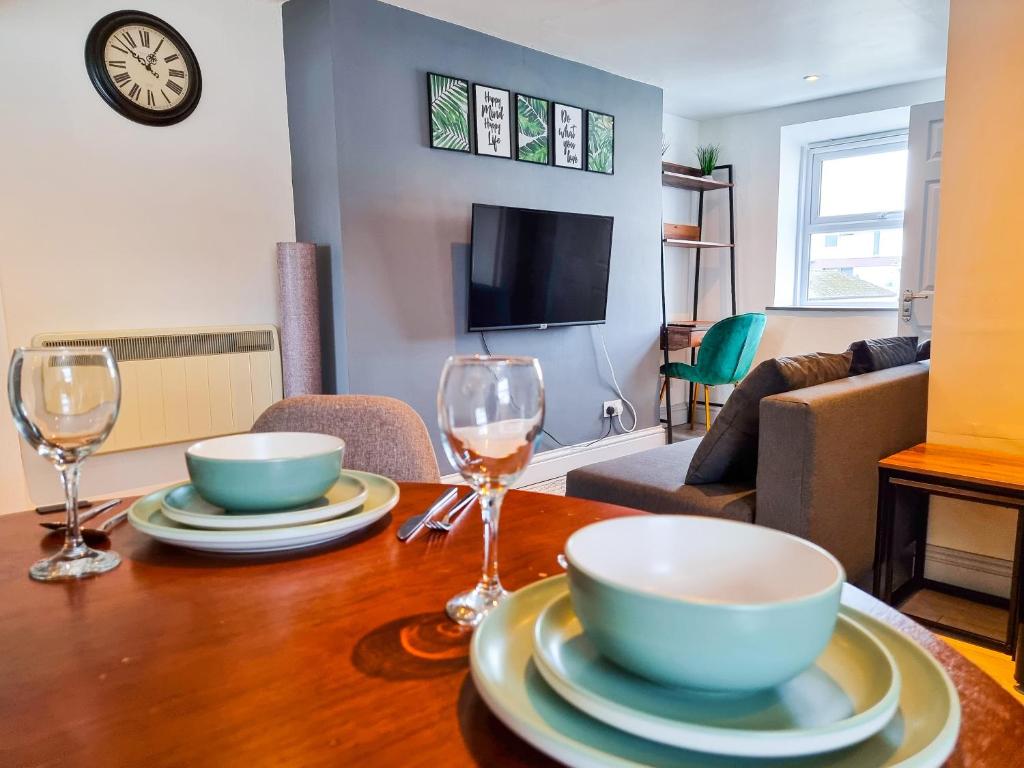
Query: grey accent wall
{"x": 398, "y": 220}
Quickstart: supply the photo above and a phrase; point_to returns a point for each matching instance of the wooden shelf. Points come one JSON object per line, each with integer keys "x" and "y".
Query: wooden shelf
{"x": 683, "y": 335}
{"x": 698, "y": 324}
{"x": 694, "y": 243}
{"x": 685, "y": 177}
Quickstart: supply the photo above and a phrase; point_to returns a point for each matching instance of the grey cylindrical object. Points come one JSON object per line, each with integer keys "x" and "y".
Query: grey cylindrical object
{"x": 299, "y": 319}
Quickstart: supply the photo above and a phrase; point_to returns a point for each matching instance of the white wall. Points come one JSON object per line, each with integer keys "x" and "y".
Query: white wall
{"x": 760, "y": 146}
{"x": 752, "y": 143}
{"x": 108, "y": 224}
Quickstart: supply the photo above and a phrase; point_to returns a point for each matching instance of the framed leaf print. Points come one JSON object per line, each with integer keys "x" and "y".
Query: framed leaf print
{"x": 449, "y": 112}
{"x": 533, "y": 129}
{"x": 492, "y": 110}
{"x": 600, "y": 142}
{"x": 567, "y": 126}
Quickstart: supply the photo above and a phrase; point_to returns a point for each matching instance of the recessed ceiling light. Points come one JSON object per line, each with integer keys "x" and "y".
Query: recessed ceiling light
{"x": 812, "y": 78}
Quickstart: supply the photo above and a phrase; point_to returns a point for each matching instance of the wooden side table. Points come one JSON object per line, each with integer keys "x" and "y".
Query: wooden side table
{"x": 929, "y": 469}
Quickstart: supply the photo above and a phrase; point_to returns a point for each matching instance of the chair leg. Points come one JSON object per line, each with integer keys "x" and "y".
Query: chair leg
{"x": 664, "y": 386}
{"x": 707, "y": 408}
{"x": 692, "y": 388}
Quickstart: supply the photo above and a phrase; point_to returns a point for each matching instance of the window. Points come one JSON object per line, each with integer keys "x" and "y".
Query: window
{"x": 851, "y": 221}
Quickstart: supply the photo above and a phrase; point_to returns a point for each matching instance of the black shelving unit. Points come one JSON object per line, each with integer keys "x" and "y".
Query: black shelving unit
{"x": 686, "y": 178}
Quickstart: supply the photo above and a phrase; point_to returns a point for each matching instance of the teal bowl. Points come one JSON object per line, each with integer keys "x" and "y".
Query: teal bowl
{"x": 265, "y": 472}
{"x": 702, "y": 603}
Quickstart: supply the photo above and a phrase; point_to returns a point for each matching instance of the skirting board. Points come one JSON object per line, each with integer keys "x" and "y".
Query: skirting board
{"x": 560, "y": 461}
{"x": 965, "y": 569}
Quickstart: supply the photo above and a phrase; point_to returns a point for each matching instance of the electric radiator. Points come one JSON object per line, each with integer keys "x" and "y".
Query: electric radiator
{"x": 180, "y": 384}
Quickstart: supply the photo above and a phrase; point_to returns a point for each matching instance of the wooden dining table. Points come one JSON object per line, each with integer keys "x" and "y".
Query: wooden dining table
{"x": 339, "y": 656}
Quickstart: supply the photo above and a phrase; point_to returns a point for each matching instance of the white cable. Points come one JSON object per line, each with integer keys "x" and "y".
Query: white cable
{"x": 615, "y": 383}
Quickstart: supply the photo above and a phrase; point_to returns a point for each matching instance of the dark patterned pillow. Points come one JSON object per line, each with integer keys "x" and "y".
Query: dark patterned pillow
{"x": 924, "y": 350}
{"x": 729, "y": 450}
{"x": 877, "y": 354}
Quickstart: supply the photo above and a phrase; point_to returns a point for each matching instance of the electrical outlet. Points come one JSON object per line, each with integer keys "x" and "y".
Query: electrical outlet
{"x": 615, "y": 405}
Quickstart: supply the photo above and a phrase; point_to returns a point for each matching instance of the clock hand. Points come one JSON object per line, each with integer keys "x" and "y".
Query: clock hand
{"x": 139, "y": 59}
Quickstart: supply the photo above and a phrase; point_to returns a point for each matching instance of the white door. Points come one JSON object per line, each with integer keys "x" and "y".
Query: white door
{"x": 921, "y": 220}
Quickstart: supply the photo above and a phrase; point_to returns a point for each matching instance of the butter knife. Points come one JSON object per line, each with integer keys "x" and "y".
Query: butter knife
{"x": 412, "y": 526}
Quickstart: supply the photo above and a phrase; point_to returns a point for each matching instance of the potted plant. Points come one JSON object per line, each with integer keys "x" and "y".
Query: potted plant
{"x": 707, "y": 158}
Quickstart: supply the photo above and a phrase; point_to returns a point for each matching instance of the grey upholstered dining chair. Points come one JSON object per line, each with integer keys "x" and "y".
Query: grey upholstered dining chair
{"x": 381, "y": 434}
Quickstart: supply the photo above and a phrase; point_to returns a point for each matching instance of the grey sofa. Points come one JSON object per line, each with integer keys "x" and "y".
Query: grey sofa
{"x": 817, "y": 477}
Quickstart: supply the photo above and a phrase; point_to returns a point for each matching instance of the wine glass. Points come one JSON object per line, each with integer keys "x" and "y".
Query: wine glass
{"x": 65, "y": 402}
{"x": 490, "y": 410}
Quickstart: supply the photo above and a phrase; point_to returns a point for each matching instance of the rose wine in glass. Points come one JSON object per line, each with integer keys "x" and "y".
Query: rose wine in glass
{"x": 491, "y": 411}
{"x": 65, "y": 402}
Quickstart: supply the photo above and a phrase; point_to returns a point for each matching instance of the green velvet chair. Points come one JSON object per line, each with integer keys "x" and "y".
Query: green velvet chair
{"x": 725, "y": 355}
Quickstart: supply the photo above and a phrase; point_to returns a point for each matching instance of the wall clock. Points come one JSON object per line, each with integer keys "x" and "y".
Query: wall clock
{"x": 143, "y": 68}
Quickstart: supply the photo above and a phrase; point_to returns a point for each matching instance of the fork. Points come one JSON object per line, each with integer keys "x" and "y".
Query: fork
{"x": 446, "y": 523}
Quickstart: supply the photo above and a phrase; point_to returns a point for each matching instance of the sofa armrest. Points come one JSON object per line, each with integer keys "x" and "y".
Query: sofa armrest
{"x": 818, "y": 453}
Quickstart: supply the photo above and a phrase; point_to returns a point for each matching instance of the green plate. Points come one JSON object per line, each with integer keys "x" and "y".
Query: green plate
{"x": 146, "y": 515}
{"x": 850, "y": 693}
{"x": 922, "y": 734}
{"x": 184, "y": 505}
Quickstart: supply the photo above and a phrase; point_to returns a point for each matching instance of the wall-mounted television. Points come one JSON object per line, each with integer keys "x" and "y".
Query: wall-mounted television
{"x": 533, "y": 269}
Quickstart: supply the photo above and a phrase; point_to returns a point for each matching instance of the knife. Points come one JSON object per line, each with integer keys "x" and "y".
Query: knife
{"x": 60, "y": 507}
{"x": 411, "y": 526}
{"x": 83, "y": 518}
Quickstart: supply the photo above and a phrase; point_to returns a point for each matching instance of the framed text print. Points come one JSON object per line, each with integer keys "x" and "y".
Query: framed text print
{"x": 533, "y": 129}
{"x": 449, "y": 112}
{"x": 493, "y": 117}
{"x": 600, "y": 142}
{"x": 567, "y": 126}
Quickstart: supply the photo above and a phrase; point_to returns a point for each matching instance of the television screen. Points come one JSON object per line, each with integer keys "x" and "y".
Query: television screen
{"x": 537, "y": 268}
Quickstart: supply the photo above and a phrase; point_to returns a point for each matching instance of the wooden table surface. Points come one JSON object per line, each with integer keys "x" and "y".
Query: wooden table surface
{"x": 951, "y": 462}
{"x": 336, "y": 657}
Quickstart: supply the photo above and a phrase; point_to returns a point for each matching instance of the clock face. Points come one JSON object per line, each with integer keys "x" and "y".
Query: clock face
{"x": 147, "y": 67}
{"x": 143, "y": 68}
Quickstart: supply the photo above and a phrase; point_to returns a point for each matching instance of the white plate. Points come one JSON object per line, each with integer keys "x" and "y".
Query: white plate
{"x": 146, "y": 516}
{"x": 921, "y": 735}
{"x": 184, "y": 505}
{"x": 849, "y": 694}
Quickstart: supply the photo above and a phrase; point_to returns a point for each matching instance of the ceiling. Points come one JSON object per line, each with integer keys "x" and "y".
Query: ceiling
{"x": 717, "y": 57}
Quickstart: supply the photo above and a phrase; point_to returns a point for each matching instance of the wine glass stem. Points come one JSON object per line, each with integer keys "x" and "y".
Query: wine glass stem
{"x": 490, "y": 509}
{"x": 69, "y": 474}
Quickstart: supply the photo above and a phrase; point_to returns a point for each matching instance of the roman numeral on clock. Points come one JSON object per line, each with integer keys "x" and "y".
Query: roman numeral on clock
{"x": 144, "y": 36}
{"x": 150, "y": 101}
{"x": 127, "y": 37}
{"x": 172, "y": 57}
{"x": 135, "y": 91}
{"x": 116, "y": 64}
{"x": 165, "y": 97}
{"x": 175, "y": 73}
{"x": 121, "y": 78}
{"x": 173, "y": 86}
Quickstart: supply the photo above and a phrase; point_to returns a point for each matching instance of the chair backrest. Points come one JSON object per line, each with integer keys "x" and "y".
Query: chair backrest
{"x": 728, "y": 348}
{"x": 382, "y": 435}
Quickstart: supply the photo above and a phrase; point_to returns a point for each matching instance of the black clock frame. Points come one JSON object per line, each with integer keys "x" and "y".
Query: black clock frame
{"x": 95, "y": 44}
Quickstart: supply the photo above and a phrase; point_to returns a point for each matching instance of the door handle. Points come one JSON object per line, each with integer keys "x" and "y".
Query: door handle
{"x": 907, "y": 303}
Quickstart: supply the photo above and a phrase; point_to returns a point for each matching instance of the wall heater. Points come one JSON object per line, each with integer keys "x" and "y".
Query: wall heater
{"x": 180, "y": 384}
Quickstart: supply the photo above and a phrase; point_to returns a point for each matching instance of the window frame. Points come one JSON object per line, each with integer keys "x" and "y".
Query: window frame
{"x": 811, "y": 223}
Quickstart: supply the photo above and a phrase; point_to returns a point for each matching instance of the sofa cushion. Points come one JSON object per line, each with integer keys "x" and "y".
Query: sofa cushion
{"x": 924, "y": 350}
{"x": 653, "y": 481}
{"x": 878, "y": 354}
{"x": 729, "y": 451}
